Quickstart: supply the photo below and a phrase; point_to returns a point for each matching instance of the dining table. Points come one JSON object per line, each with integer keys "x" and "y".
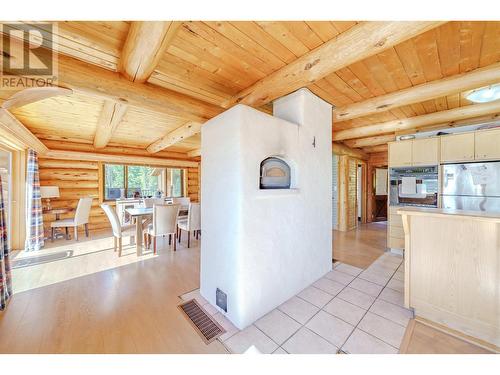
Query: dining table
{"x": 141, "y": 213}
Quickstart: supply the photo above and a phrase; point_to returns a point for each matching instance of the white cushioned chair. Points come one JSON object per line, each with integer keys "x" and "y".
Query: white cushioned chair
{"x": 81, "y": 218}
{"x": 150, "y": 202}
{"x": 192, "y": 223}
{"x": 119, "y": 231}
{"x": 164, "y": 223}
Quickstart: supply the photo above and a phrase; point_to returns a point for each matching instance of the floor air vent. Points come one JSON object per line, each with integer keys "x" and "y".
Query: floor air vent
{"x": 202, "y": 322}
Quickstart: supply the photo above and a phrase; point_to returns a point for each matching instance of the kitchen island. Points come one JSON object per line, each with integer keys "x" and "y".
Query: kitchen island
{"x": 452, "y": 271}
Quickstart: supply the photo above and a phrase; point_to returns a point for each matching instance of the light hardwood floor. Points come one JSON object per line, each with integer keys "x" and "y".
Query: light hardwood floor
{"x": 84, "y": 299}
{"x": 81, "y": 298}
{"x": 360, "y": 247}
{"x": 422, "y": 339}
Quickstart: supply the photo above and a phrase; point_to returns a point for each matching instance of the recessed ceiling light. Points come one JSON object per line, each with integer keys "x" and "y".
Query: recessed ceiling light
{"x": 485, "y": 94}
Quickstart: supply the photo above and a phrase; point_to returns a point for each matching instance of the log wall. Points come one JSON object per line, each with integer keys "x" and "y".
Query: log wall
{"x": 75, "y": 179}
{"x": 78, "y": 179}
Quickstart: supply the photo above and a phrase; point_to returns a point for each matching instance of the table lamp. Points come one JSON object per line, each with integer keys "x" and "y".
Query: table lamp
{"x": 47, "y": 192}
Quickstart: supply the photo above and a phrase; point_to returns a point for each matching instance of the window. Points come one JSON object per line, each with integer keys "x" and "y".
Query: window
{"x": 126, "y": 180}
{"x": 174, "y": 183}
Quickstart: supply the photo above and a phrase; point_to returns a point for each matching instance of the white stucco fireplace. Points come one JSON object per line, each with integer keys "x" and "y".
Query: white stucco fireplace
{"x": 266, "y": 235}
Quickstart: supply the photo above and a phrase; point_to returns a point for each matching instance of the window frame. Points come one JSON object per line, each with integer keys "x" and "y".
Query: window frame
{"x": 162, "y": 179}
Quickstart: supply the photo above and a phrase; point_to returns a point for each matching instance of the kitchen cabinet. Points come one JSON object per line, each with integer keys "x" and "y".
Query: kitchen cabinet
{"x": 400, "y": 154}
{"x": 395, "y": 232}
{"x": 425, "y": 151}
{"x": 457, "y": 147}
{"x": 487, "y": 145}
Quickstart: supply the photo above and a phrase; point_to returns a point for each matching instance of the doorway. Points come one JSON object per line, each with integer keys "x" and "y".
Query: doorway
{"x": 380, "y": 183}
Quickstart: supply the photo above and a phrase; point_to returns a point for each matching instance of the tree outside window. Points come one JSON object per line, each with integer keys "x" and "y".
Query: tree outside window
{"x": 126, "y": 180}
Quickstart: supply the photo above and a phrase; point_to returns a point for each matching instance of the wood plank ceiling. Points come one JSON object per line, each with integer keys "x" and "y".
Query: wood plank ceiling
{"x": 213, "y": 61}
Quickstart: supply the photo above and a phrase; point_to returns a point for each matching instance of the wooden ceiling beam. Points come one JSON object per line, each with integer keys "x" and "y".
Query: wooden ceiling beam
{"x": 187, "y": 130}
{"x": 359, "y": 42}
{"x": 375, "y": 149}
{"x": 32, "y": 95}
{"x": 420, "y": 93}
{"x": 146, "y": 43}
{"x": 122, "y": 159}
{"x": 455, "y": 114}
{"x": 11, "y": 126}
{"x": 111, "y": 115}
{"x": 341, "y": 149}
{"x": 481, "y": 120}
{"x": 370, "y": 141}
{"x": 194, "y": 153}
{"x": 86, "y": 79}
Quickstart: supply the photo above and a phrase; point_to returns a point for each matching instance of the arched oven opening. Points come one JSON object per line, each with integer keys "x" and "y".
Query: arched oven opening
{"x": 275, "y": 173}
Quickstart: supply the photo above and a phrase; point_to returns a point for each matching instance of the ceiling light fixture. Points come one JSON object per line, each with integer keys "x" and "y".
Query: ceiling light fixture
{"x": 485, "y": 94}
{"x": 406, "y": 137}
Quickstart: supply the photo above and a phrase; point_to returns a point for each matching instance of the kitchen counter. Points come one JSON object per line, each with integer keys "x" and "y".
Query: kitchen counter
{"x": 458, "y": 214}
{"x": 452, "y": 271}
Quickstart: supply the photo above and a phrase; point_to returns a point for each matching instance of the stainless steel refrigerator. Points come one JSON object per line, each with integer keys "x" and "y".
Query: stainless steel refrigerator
{"x": 471, "y": 186}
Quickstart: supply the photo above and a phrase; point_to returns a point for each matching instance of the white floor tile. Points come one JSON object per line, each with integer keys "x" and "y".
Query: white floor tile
{"x": 345, "y": 310}
{"x": 392, "y": 312}
{"x": 383, "y": 329}
{"x": 329, "y": 286}
{"x": 195, "y": 294}
{"x": 351, "y": 270}
{"x": 363, "y": 343}
{"x": 391, "y": 257}
{"x": 299, "y": 309}
{"x": 381, "y": 270}
{"x": 330, "y": 328}
{"x": 366, "y": 287}
{"x": 399, "y": 276}
{"x": 396, "y": 285}
{"x": 210, "y": 309}
{"x": 307, "y": 342}
{"x": 315, "y": 296}
{"x": 250, "y": 336}
{"x": 374, "y": 277}
{"x": 278, "y": 326}
{"x": 340, "y": 277}
{"x": 392, "y": 296}
{"x": 356, "y": 297}
{"x": 227, "y": 325}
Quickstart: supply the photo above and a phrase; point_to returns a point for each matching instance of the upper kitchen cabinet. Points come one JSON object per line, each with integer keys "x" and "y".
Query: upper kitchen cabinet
{"x": 457, "y": 147}
{"x": 425, "y": 151}
{"x": 487, "y": 145}
{"x": 400, "y": 154}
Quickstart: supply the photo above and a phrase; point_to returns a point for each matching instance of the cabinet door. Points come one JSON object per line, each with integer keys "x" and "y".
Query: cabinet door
{"x": 400, "y": 153}
{"x": 425, "y": 151}
{"x": 457, "y": 147}
{"x": 487, "y": 144}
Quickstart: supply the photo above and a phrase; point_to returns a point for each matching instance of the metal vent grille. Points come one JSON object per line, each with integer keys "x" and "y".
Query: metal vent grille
{"x": 201, "y": 321}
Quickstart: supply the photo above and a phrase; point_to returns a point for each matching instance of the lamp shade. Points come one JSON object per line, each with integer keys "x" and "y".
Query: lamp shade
{"x": 49, "y": 191}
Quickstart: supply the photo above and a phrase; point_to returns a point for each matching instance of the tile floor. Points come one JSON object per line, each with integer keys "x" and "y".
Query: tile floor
{"x": 349, "y": 310}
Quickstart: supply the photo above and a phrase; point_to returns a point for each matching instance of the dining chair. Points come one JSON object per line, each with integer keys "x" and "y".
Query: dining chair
{"x": 192, "y": 223}
{"x": 164, "y": 223}
{"x": 184, "y": 203}
{"x": 150, "y": 202}
{"x": 81, "y": 218}
{"x": 119, "y": 230}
